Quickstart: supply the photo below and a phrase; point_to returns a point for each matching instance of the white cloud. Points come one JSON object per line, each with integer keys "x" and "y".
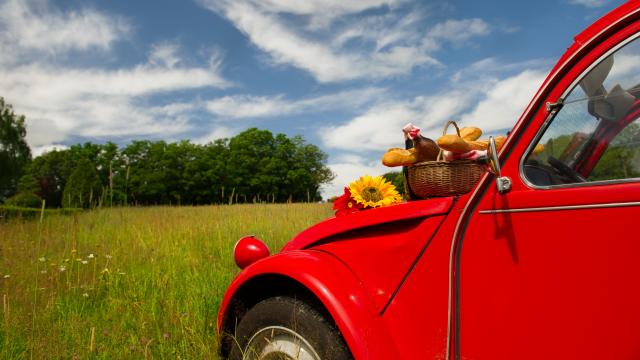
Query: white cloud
{"x": 60, "y": 101}
{"x": 69, "y": 100}
{"x": 491, "y": 68}
{"x": 505, "y": 101}
{"x": 165, "y": 54}
{"x": 380, "y": 127}
{"x": 322, "y": 7}
{"x": 219, "y": 132}
{"x": 350, "y": 168}
{"x": 320, "y": 13}
{"x": 247, "y": 106}
{"x": 488, "y": 103}
{"x": 51, "y": 83}
{"x": 34, "y": 26}
{"x": 459, "y": 31}
{"x": 383, "y": 45}
{"x": 589, "y": 3}
{"x": 39, "y": 150}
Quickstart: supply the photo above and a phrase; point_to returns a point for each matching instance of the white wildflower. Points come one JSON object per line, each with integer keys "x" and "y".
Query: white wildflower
{"x": 105, "y": 270}
{"x": 84, "y": 262}
{"x": 91, "y": 256}
{"x": 85, "y": 295}
{"x": 62, "y": 268}
{"x": 108, "y": 256}
{"x": 7, "y": 276}
{"x": 42, "y": 259}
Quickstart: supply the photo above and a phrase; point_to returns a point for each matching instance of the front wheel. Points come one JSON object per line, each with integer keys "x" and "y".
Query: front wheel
{"x": 286, "y": 328}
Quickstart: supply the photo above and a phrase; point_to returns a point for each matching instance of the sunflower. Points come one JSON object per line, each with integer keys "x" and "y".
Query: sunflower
{"x": 374, "y": 192}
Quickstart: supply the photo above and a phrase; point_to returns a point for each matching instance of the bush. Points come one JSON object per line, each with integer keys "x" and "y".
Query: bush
{"x": 24, "y": 200}
{"x": 13, "y": 212}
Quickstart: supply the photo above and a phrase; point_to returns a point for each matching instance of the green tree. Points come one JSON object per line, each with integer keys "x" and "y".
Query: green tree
{"x": 14, "y": 151}
{"x": 308, "y": 170}
{"x": 144, "y": 173}
{"x": 397, "y": 179}
{"x": 27, "y": 193}
{"x": 83, "y": 188}
{"x": 51, "y": 171}
{"x": 254, "y": 165}
{"x": 261, "y": 165}
{"x": 621, "y": 159}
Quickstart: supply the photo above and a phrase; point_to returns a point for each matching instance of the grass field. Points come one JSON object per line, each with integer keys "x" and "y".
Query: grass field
{"x": 128, "y": 282}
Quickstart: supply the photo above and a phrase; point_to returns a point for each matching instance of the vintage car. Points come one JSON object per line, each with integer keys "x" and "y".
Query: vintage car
{"x": 538, "y": 261}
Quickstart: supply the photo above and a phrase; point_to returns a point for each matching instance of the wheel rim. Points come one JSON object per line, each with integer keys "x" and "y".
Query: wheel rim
{"x": 279, "y": 343}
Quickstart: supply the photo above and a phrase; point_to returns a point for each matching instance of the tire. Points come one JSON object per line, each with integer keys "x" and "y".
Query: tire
{"x": 285, "y": 328}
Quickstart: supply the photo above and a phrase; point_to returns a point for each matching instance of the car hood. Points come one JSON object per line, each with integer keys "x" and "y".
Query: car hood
{"x": 321, "y": 232}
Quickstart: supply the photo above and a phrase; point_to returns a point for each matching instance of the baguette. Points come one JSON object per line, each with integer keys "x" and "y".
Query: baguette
{"x": 399, "y": 157}
{"x": 454, "y": 143}
{"x": 484, "y": 144}
{"x": 458, "y": 145}
{"x": 470, "y": 133}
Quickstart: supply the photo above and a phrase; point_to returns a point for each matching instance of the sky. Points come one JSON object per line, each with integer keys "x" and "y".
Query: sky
{"x": 347, "y": 75}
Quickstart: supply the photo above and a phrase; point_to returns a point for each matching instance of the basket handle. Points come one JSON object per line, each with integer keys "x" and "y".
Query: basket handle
{"x": 446, "y": 126}
{"x": 444, "y": 132}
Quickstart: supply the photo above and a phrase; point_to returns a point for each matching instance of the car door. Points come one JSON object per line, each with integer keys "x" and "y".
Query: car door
{"x": 550, "y": 269}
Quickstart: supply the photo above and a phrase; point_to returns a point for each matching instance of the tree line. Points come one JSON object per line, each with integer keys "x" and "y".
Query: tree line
{"x": 253, "y": 166}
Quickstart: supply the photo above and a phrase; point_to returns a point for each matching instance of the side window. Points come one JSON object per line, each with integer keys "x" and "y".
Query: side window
{"x": 596, "y": 134}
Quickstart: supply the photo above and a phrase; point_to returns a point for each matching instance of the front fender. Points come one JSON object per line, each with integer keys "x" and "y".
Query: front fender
{"x": 336, "y": 287}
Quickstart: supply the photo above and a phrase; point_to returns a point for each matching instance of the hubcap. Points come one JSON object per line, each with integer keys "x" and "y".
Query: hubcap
{"x": 278, "y": 343}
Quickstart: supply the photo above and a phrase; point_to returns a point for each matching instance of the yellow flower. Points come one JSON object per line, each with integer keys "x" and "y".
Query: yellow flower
{"x": 374, "y": 192}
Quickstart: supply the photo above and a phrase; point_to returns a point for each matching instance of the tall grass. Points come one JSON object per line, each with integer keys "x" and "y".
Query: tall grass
{"x": 128, "y": 282}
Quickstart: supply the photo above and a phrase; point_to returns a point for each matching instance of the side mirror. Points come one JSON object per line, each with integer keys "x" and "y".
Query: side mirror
{"x": 503, "y": 183}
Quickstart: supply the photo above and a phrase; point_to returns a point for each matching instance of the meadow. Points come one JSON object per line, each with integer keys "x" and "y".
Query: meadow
{"x": 129, "y": 282}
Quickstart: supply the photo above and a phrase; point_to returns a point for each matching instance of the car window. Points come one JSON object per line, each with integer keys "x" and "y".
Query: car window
{"x": 595, "y": 136}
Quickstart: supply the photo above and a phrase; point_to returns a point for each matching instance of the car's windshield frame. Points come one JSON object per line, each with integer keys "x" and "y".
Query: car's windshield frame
{"x": 552, "y": 115}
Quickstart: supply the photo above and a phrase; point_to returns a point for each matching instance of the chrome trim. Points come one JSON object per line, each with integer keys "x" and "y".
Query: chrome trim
{"x": 555, "y": 208}
{"x": 506, "y": 145}
{"x": 549, "y": 120}
{"x": 582, "y": 184}
{"x": 308, "y": 348}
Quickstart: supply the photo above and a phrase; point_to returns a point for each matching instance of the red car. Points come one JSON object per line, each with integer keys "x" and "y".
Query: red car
{"x": 541, "y": 260}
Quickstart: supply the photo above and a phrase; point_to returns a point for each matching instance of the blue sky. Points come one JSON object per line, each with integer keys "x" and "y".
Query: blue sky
{"x": 347, "y": 75}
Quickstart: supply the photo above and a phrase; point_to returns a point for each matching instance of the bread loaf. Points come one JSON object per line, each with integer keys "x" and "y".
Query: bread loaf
{"x": 470, "y": 133}
{"x": 459, "y": 145}
{"x": 399, "y": 157}
{"x": 454, "y": 143}
{"x": 484, "y": 144}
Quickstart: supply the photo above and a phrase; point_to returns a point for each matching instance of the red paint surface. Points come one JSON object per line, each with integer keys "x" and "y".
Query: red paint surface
{"x": 417, "y": 315}
{"x": 340, "y": 291}
{"x": 558, "y": 284}
{"x": 249, "y": 250}
{"x": 367, "y": 218}
{"x": 381, "y": 255}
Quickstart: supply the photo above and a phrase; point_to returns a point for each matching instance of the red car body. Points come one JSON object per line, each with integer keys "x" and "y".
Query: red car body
{"x": 532, "y": 273}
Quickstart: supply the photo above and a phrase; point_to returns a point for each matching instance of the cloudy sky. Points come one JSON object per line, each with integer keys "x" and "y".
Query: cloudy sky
{"x": 345, "y": 74}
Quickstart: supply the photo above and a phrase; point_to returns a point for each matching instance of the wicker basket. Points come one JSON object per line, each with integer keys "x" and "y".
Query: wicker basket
{"x": 443, "y": 178}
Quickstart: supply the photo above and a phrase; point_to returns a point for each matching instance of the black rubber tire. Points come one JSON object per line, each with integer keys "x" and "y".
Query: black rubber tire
{"x": 295, "y": 315}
